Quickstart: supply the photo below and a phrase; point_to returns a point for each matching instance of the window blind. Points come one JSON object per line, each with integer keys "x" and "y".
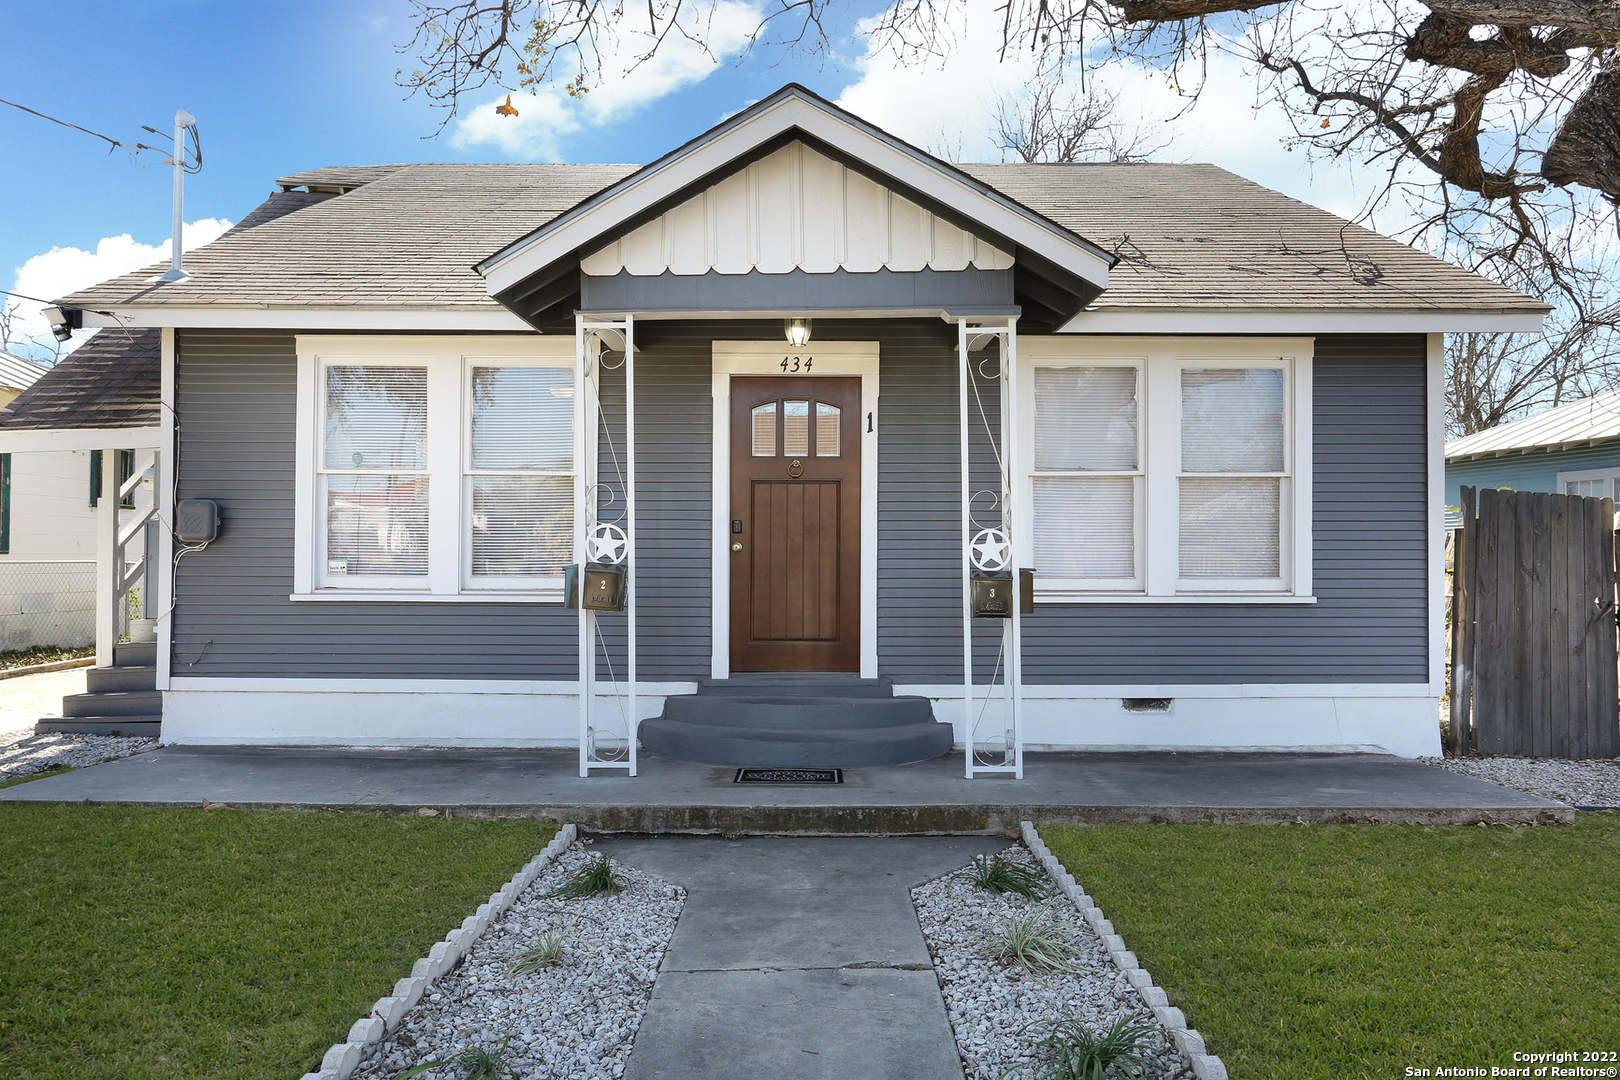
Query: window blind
{"x": 1085, "y": 526}
{"x": 1086, "y": 418}
{"x": 1232, "y": 420}
{"x": 376, "y": 417}
{"x": 520, "y": 493}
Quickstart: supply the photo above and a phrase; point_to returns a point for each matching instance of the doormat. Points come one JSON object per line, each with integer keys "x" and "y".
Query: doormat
{"x": 789, "y": 776}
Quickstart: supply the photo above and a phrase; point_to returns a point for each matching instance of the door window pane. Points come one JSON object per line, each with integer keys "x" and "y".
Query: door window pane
{"x": 1232, "y": 420}
{"x": 828, "y": 418}
{"x": 1086, "y": 418}
{"x": 795, "y": 428}
{"x": 765, "y": 430}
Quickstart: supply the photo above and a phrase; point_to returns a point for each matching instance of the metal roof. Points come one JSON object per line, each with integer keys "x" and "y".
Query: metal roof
{"x": 1580, "y": 422}
{"x": 17, "y": 373}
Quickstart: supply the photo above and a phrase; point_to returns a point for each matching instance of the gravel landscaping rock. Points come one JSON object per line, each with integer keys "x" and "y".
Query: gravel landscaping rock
{"x": 22, "y": 753}
{"x": 989, "y": 1001}
{"x": 1592, "y": 782}
{"x": 577, "y": 1018}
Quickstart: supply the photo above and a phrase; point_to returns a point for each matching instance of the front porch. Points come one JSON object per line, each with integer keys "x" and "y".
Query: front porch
{"x": 927, "y": 797}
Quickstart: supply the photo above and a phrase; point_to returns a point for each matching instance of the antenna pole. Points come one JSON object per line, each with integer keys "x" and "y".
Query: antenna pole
{"x": 182, "y": 121}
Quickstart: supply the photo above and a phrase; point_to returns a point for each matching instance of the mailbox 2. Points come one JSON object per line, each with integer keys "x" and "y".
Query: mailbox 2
{"x": 604, "y": 588}
{"x": 992, "y": 594}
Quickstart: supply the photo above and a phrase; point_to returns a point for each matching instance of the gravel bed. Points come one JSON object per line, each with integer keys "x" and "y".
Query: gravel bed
{"x": 1592, "y": 782}
{"x": 577, "y": 1018}
{"x": 989, "y": 1001}
{"x": 22, "y": 753}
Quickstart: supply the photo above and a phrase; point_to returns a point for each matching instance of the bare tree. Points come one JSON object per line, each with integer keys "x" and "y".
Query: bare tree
{"x": 13, "y": 339}
{"x": 1052, "y": 122}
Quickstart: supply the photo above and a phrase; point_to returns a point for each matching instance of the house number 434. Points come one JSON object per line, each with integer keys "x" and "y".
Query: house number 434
{"x": 794, "y": 365}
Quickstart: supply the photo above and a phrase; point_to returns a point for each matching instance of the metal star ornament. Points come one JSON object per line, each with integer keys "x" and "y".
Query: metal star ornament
{"x": 990, "y": 550}
{"x": 607, "y": 544}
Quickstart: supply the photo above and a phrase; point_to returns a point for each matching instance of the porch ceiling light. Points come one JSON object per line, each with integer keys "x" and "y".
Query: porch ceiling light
{"x": 797, "y": 332}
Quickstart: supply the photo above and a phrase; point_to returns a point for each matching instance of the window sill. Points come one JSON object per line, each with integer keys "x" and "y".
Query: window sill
{"x": 1077, "y": 596}
{"x": 400, "y": 596}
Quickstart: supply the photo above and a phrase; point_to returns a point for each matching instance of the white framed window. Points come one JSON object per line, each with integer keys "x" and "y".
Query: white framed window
{"x": 1165, "y": 469}
{"x": 1087, "y": 472}
{"x": 519, "y": 473}
{"x": 434, "y": 467}
{"x": 1593, "y": 483}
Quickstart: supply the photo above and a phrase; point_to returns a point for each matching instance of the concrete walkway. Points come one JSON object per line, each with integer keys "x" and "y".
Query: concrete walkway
{"x": 928, "y": 797}
{"x": 28, "y": 698}
{"x": 797, "y": 959}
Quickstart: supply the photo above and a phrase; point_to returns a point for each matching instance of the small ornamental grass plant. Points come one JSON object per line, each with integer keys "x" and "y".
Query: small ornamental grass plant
{"x": 546, "y": 950}
{"x": 996, "y": 874}
{"x": 471, "y": 1063}
{"x": 1036, "y": 941}
{"x": 595, "y": 878}
{"x": 1073, "y": 1051}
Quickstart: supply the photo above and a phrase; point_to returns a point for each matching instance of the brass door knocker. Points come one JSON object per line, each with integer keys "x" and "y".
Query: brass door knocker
{"x": 795, "y": 468}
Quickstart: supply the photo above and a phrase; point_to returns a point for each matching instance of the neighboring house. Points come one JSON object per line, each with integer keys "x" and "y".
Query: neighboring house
{"x": 1572, "y": 449}
{"x": 405, "y": 387}
{"x": 47, "y": 530}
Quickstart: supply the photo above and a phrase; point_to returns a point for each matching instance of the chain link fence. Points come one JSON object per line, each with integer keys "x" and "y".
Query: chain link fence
{"x": 48, "y": 603}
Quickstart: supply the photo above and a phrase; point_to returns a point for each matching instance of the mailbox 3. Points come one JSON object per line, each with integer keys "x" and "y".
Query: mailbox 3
{"x": 992, "y": 595}
{"x": 604, "y": 588}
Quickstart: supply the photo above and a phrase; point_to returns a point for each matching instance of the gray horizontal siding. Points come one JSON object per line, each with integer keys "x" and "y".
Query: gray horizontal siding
{"x": 1369, "y": 623}
{"x": 236, "y": 445}
{"x": 233, "y": 618}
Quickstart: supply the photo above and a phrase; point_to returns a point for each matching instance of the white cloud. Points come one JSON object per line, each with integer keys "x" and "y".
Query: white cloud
{"x": 548, "y": 117}
{"x": 61, "y": 270}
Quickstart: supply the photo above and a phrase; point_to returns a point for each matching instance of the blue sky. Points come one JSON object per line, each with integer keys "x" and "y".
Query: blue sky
{"x": 276, "y": 90}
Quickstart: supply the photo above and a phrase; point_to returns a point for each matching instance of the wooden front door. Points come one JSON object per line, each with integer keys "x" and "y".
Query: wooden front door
{"x": 795, "y": 526}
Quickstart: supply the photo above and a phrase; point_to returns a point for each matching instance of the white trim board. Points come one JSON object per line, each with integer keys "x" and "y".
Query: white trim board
{"x": 833, "y": 359}
{"x": 311, "y": 317}
{"x": 1435, "y": 422}
{"x": 30, "y": 440}
{"x": 1243, "y": 320}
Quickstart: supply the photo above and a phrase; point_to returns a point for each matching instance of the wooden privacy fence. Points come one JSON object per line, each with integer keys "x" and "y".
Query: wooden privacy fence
{"x": 1533, "y": 649}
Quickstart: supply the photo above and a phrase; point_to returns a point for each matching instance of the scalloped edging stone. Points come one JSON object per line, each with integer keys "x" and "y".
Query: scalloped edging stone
{"x": 1206, "y": 1066}
{"x": 343, "y": 1058}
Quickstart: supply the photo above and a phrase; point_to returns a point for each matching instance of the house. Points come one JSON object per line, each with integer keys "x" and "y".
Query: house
{"x": 48, "y": 504}
{"x": 866, "y": 386}
{"x": 1571, "y": 449}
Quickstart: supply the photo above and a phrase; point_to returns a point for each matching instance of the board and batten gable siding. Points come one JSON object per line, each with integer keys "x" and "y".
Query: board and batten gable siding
{"x": 236, "y": 404}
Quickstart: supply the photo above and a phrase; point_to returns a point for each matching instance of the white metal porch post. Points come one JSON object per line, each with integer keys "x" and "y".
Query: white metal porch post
{"x": 967, "y": 526}
{"x": 1009, "y": 487}
{"x": 109, "y": 560}
{"x": 632, "y": 719}
{"x": 583, "y": 415}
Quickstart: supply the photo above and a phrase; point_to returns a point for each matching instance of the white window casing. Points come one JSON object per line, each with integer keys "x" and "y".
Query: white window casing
{"x": 1593, "y": 483}
{"x": 1224, "y": 519}
{"x": 411, "y": 405}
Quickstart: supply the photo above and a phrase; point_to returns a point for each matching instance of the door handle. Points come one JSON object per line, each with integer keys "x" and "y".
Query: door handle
{"x": 736, "y": 545}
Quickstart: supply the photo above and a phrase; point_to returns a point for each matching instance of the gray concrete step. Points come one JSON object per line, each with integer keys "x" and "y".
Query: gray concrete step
{"x": 796, "y": 747}
{"x": 135, "y": 654}
{"x": 149, "y": 726}
{"x": 133, "y": 677}
{"x": 786, "y": 711}
{"x": 807, "y": 683}
{"x": 113, "y": 703}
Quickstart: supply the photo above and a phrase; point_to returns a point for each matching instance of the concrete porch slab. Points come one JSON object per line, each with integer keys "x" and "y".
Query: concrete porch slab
{"x": 927, "y": 797}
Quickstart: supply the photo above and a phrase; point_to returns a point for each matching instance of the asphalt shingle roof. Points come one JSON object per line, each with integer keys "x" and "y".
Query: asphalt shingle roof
{"x": 1188, "y": 236}
{"x": 1588, "y": 420}
{"x": 112, "y": 380}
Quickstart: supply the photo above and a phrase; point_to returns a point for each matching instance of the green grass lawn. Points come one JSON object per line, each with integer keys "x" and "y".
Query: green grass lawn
{"x": 1354, "y": 951}
{"x": 142, "y": 943}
